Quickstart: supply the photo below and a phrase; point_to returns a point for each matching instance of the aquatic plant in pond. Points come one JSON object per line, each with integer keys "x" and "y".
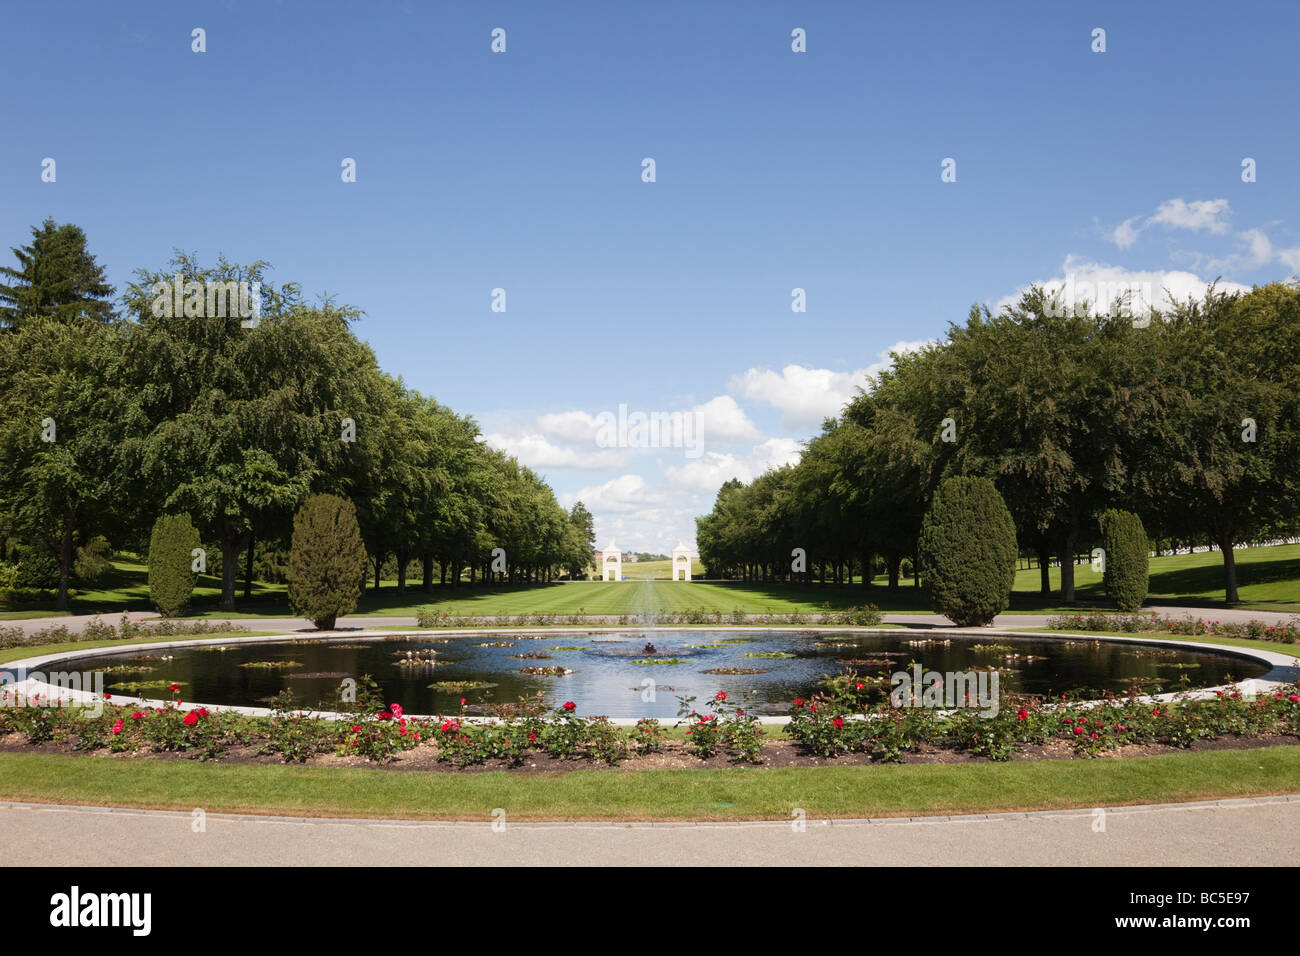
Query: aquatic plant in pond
{"x": 607, "y": 678}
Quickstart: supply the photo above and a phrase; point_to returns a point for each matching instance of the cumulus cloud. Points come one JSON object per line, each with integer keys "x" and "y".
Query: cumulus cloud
{"x": 535, "y": 451}
{"x": 805, "y": 395}
{"x": 709, "y": 471}
{"x": 1099, "y": 283}
{"x": 723, "y": 419}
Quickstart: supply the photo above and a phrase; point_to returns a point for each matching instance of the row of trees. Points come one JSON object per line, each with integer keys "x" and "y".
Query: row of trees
{"x": 1190, "y": 420}
{"x": 113, "y": 412}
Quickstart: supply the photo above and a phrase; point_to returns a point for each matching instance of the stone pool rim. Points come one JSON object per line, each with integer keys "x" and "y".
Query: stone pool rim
{"x": 1284, "y": 668}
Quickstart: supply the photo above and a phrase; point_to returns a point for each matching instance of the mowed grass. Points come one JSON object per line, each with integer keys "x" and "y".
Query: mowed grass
{"x": 736, "y": 794}
{"x": 656, "y": 570}
{"x": 1269, "y": 579}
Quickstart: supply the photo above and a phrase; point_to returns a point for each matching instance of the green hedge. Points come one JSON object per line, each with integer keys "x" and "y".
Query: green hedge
{"x": 327, "y": 560}
{"x": 171, "y": 575}
{"x": 968, "y": 551}
{"x": 1127, "y": 556}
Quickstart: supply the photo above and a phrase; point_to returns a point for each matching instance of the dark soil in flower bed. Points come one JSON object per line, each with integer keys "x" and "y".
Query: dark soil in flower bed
{"x": 777, "y": 753}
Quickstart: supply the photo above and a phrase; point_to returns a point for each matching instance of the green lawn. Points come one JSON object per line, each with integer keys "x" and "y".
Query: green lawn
{"x": 738, "y": 794}
{"x": 1269, "y": 580}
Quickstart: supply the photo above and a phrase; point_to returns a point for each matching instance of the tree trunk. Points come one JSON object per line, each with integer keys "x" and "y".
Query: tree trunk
{"x": 1229, "y": 567}
{"x": 231, "y": 547}
{"x": 248, "y": 568}
{"x": 65, "y": 560}
{"x": 1066, "y": 553}
{"x": 1044, "y": 571}
{"x": 893, "y": 562}
{"x": 402, "y": 558}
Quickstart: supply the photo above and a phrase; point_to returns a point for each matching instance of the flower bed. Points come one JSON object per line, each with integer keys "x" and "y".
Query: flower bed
{"x": 839, "y": 723}
{"x": 1285, "y": 633}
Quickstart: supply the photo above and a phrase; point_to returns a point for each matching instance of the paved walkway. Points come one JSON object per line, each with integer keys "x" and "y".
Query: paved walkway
{"x": 1247, "y": 832}
{"x": 76, "y": 623}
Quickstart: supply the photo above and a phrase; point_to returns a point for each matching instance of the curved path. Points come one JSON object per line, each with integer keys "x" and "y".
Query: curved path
{"x": 1255, "y": 831}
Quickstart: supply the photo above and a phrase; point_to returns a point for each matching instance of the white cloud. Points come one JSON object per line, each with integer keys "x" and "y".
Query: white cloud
{"x": 626, "y": 494}
{"x": 1100, "y": 282}
{"x": 709, "y": 471}
{"x": 536, "y": 451}
{"x": 573, "y": 426}
{"x": 1290, "y": 258}
{"x": 805, "y": 395}
{"x": 1199, "y": 215}
{"x": 721, "y": 418}
{"x": 1125, "y": 234}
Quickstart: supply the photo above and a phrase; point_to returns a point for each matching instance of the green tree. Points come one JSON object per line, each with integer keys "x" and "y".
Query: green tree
{"x": 581, "y": 540}
{"x": 56, "y": 277}
{"x": 233, "y": 424}
{"x": 1229, "y": 464}
{"x": 968, "y": 551}
{"x": 171, "y": 563}
{"x": 60, "y": 430}
{"x": 327, "y": 563}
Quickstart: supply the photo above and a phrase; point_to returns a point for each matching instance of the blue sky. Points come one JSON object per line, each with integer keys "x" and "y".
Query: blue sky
{"x": 774, "y": 170}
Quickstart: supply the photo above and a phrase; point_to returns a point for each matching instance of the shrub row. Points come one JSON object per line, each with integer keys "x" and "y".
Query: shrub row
{"x": 866, "y": 616}
{"x": 1286, "y": 633}
{"x": 97, "y": 629}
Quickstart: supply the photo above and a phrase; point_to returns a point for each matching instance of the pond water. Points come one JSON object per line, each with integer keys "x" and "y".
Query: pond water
{"x": 605, "y": 678}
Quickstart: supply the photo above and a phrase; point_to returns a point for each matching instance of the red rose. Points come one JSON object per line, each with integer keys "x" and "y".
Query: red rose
{"x": 191, "y": 718}
{"x": 720, "y": 696}
{"x": 839, "y": 723}
{"x": 569, "y": 705}
{"x": 173, "y": 687}
{"x": 1078, "y": 730}
{"x": 1022, "y": 714}
{"x": 117, "y": 727}
{"x": 396, "y": 709}
{"x": 798, "y": 701}
{"x": 859, "y": 685}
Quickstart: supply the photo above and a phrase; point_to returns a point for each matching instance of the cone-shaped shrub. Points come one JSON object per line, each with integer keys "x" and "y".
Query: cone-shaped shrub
{"x": 968, "y": 551}
{"x": 1127, "y": 558}
{"x": 171, "y": 563}
{"x": 327, "y": 561}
